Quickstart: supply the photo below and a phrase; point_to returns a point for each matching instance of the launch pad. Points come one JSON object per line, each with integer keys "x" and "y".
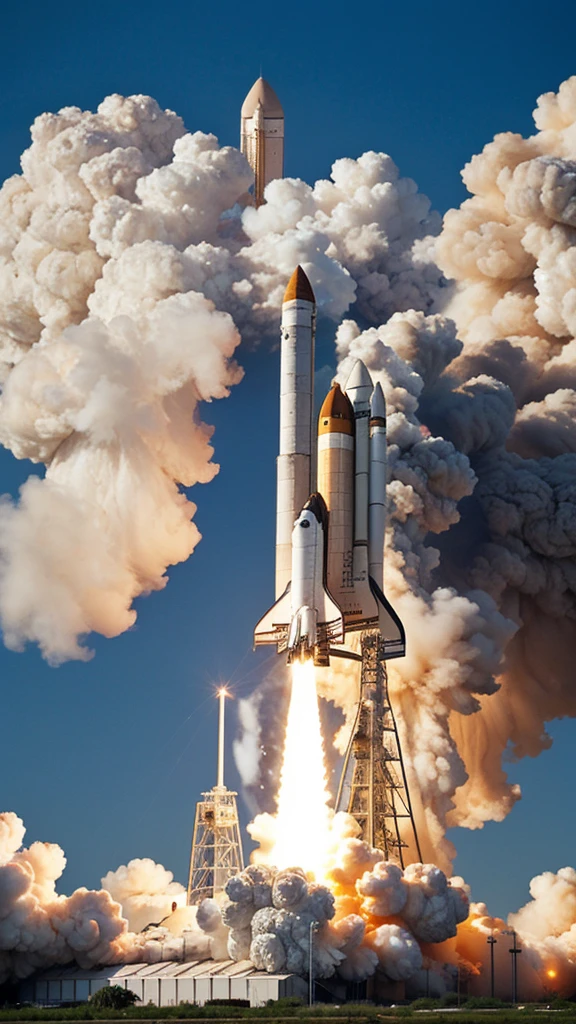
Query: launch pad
{"x": 373, "y": 785}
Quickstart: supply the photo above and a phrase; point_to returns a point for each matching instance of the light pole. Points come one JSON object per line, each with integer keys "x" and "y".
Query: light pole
{"x": 491, "y": 942}
{"x": 514, "y": 953}
{"x": 310, "y": 965}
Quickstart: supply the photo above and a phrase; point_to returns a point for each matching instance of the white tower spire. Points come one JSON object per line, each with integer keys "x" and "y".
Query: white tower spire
{"x": 222, "y": 694}
{"x": 216, "y": 843}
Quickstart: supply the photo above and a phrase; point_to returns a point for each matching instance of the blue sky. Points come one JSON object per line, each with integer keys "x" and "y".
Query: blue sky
{"x": 108, "y": 758}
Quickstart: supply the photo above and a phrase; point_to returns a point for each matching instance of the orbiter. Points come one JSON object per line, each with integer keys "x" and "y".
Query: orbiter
{"x": 329, "y": 542}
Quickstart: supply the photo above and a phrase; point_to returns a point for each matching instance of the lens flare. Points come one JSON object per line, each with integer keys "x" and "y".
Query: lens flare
{"x": 303, "y": 816}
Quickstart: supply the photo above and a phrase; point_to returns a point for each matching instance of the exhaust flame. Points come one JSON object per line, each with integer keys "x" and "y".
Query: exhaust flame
{"x": 303, "y": 817}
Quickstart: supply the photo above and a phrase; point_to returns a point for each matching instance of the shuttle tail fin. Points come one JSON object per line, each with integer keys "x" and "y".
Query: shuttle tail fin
{"x": 390, "y": 625}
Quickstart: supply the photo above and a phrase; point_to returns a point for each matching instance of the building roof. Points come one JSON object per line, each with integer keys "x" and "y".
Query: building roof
{"x": 263, "y": 93}
{"x": 162, "y": 969}
{"x": 299, "y": 287}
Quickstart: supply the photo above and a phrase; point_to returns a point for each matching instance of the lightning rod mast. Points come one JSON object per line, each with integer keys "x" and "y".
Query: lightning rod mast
{"x": 216, "y": 842}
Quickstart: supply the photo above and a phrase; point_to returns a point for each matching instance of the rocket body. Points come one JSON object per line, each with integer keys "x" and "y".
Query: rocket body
{"x": 377, "y": 488}
{"x": 262, "y": 136}
{"x": 294, "y": 463}
{"x": 336, "y": 485}
{"x": 330, "y": 546}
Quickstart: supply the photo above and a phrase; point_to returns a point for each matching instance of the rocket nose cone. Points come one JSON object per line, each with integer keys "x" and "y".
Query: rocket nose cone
{"x": 262, "y": 93}
{"x": 299, "y": 287}
{"x": 359, "y": 377}
{"x": 378, "y": 403}
{"x": 317, "y": 506}
{"x": 336, "y": 413}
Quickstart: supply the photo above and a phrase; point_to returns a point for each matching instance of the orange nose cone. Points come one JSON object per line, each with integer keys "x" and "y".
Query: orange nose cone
{"x": 299, "y": 287}
{"x": 336, "y": 413}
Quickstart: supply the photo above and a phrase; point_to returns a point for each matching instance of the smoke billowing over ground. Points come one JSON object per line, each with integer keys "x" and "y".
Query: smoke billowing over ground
{"x": 415, "y": 925}
{"x": 128, "y": 278}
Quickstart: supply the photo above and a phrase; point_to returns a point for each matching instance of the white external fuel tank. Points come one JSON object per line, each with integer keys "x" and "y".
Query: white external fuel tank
{"x": 294, "y": 463}
{"x": 336, "y": 485}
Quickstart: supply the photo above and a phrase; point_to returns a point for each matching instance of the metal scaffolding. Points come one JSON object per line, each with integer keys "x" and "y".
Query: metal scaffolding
{"x": 373, "y": 785}
{"x": 216, "y": 842}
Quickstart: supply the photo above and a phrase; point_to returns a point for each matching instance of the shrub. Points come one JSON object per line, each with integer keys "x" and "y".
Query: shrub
{"x": 449, "y": 999}
{"x": 484, "y": 1003}
{"x": 425, "y": 1003}
{"x": 113, "y": 997}
{"x": 227, "y": 1002}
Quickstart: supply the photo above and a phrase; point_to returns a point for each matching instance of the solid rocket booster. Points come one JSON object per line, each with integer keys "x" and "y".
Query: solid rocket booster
{"x": 306, "y": 619}
{"x": 262, "y": 136}
{"x": 377, "y": 488}
{"x": 336, "y": 485}
{"x": 359, "y": 390}
{"x": 294, "y": 463}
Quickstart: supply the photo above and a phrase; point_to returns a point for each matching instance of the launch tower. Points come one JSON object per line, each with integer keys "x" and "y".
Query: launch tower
{"x": 216, "y": 844}
{"x": 373, "y": 785}
{"x": 262, "y": 136}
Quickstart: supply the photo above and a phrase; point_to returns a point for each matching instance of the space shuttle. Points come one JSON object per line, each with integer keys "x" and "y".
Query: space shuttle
{"x": 330, "y": 535}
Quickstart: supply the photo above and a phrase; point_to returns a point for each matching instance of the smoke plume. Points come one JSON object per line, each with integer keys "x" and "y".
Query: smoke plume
{"x": 40, "y": 928}
{"x": 122, "y": 259}
{"x": 145, "y": 891}
{"x": 128, "y": 272}
{"x": 369, "y": 914}
{"x": 481, "y": 499}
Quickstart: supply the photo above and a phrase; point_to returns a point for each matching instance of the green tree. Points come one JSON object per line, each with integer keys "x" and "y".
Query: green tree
{"x": 113, "y": 997}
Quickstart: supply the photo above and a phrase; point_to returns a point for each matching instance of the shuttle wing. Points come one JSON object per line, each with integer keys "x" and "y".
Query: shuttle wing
{"x": 274, "y": 625}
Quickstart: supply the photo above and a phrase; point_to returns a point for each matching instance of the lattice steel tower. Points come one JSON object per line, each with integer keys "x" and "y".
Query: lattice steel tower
{"x": 216, "y": 843}
{"x": 373, "y": 785}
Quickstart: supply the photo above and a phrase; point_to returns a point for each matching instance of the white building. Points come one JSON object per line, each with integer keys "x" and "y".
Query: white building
{"x": 164, "y": 984}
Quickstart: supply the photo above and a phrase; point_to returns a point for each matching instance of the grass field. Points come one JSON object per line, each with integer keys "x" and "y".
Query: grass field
{"x": 357, "y": 1013}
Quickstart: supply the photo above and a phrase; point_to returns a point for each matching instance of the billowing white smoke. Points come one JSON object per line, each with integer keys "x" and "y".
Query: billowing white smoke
{"x": 369, "y": 914}
{"x": 546, "y": 933}
{"x": 113, "y": 250}
{"x": 102, "y": 380}
{"x": 114, "y": 246}
{"x": 40, "y": 928}
{"x": 146, "y": 891}
{"x": 266, "y": 917}
{"x": 482, "y": 496}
